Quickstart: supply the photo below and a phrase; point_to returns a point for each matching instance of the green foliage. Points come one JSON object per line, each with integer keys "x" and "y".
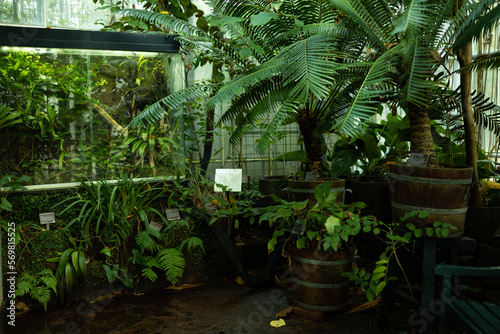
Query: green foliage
{"x": 8, "y": 117}
{"x": 380, "y": 143}
{"x": 399, "y": 235}
{"x": 14, "y": 183}
{"x": 152, "y": 143}
{"x": 114, "y": 209}
{"x": 328, "y": 224}
{"x": 70, "y": 272}
{"x": 38, "y": 286}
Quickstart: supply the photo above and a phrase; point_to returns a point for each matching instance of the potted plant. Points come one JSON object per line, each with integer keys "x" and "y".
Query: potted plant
{"x": 319, "y": 241}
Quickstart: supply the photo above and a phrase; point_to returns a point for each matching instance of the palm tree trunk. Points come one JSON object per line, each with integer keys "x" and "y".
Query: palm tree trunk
{"x": 313, "y": 144}
{"x": 421, "y": 135}
{"x": 464, "y": 57}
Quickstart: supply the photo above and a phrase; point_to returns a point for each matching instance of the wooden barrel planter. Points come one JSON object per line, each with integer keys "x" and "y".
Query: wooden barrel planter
{"x": 444, "y": 192}
{"x": 300, "y": 190}
{"x": 317, "y": 283}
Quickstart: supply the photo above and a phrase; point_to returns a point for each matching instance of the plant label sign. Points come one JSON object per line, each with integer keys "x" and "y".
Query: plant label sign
{"x": 47, "y": 219}
{"x": 155, "y": 226}
{"x": 418, "y": 160}
{"x": 311, "y": 176}
{"x": 229, "y": 178}
{"x": 173, "y": 214}
{"x": 211, "y": 208}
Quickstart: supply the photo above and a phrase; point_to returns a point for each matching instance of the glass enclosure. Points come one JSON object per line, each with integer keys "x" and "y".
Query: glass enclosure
{"x": 79, "y": 14}
{"x": 72, "y": 109}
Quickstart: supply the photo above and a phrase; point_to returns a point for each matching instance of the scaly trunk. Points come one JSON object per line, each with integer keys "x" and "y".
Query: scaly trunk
{"x": 312, "y": 143}
{"x": 421, "y": 135}
{"x": 464, "y": 57}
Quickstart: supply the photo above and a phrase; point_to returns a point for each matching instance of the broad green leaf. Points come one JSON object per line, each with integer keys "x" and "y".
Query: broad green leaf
{"x": 262, "y": 18}
{"x": 330, "y": 224}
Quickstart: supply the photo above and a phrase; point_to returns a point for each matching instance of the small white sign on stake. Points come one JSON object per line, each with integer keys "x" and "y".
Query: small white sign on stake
{"x": 230, "y": 178}
{"x": 173, "y": 214}
{"x": 47, "y": 219}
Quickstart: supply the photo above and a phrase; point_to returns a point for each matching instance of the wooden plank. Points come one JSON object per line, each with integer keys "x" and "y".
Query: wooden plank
{"x": 490, "y": 317}
{"x": 494, "y": 308}
{"x": 475, "y": 319}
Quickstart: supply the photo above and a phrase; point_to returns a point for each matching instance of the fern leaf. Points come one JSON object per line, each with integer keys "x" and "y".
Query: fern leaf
{"x": 172, "y": 262}
{"x": 42, "y": 295}
{"x": 149, "y": 273}
{"x": 192, "y": 243}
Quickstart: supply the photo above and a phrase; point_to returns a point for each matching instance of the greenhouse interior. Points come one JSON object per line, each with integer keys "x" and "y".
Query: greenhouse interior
{"x": 222, "y": 166}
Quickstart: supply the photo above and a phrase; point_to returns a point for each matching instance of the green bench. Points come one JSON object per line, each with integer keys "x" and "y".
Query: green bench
{"x": 471, "y": 316}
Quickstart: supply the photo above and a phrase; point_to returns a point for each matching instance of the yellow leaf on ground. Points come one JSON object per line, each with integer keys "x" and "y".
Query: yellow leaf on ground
{"x": 365, "y": 306}
{"x": 183, "y": 286}
{"x": 104, "y": 297}
{"x": 278, "y": 323}
{"x": 284, "y": 313}
{"x": 239, "y": 280}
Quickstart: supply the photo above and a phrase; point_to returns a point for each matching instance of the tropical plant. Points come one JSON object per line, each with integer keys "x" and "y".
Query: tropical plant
{"x": 38, "y": 286}
{"x": 8, "y": 117}
{"x": 70, "y": 272}
{"x": 328, "y": 224}
{"x": 368, "y": 154}
{"x": 114, "y": 209}
{"x": 151, "y": 142}
{"x": 399, "y": 235}
{"x": 408, "y": 44}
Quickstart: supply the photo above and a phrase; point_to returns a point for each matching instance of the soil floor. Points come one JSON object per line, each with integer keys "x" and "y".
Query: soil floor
{"x": 227, "y": 308}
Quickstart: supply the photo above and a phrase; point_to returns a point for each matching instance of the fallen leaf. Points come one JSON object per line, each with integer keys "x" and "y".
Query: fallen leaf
{"x": 239, "y": 280}
{"x": 138, "y": 293}
{"x": 365, "y": 306}
{"x": 278, "y": 323}
{"x": 102, "y": 298}
{"x": 183, "y": 286}
{"x": 284, "y": 313}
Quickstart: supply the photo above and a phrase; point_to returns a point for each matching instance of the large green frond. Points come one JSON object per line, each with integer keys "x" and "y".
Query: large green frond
{"x": 237, "y": 86}
{"x": 160, "y": 109}
{"x": 307, "y": 63}
{"x": 473, "y": 19}
{"x": 415, "y": 18}
{"x": 268, "y": 105}
{"x": 371, "y": 17}
{"x": 418, "y": 73}
{"x": 365, "y": 100}
{"x": 485, "y": 62}
{"x": 290, "y": 107}
{"x": 170, "y": 23}
{"x": 172, "y": 262}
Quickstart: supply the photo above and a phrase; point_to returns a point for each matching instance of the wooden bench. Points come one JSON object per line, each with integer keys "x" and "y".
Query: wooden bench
{"x": 470, "y": 316}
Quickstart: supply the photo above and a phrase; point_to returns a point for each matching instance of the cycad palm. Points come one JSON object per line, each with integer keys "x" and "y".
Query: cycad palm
{"x": 302, "y": 77}
{"x": 414, "y": 37}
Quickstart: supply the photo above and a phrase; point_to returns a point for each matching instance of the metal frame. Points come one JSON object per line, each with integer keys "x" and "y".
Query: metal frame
{"x": 14, "y": 36}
